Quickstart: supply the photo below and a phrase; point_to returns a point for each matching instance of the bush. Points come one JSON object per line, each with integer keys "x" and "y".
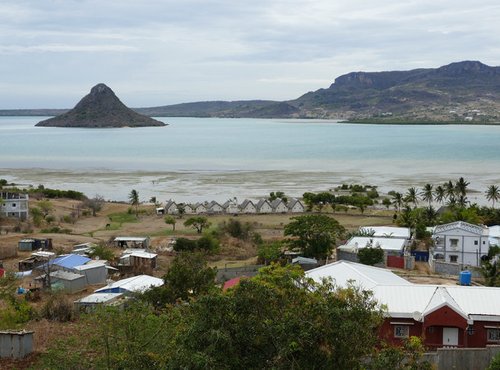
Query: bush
{"x": 183, "y": 244}
{"x": 236, "y": 229}
{"x": 58, "y": 308}
{"x": 208, "y": 243}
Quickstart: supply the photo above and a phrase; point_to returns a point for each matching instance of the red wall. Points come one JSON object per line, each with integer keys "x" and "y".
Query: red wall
{"x": 395, "y": 261}
{"x": 386, "y": 331}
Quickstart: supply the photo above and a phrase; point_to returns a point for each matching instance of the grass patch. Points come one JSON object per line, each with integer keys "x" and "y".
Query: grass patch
{"x": 122, "y": 217}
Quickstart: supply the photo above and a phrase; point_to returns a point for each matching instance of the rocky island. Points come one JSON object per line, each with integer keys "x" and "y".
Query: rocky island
{"x": 101, "y": 108}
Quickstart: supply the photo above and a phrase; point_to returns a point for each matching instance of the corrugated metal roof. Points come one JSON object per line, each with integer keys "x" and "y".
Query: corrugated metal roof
{"x": 99, "y": 298}
{"x": 367, "y": 277}
{"x": 70, "y": 261}
{"x": 130, "y": 239}
{"x": 403, "y": 301}
{"x": 65, "y": 275}
{"x": 388, "y": 231}
{"x": 138, "y": 283}
{"x": 387, "y": 244}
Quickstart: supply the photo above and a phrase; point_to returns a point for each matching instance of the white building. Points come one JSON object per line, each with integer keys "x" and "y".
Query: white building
{"x": 279, "y": 206}
{"x": 231, "y": 207}
{"x": 390, "y": 246}
{"x": 248, "y": 207}
{"x": 387, "y": 231}
{"x": 295, "y": 206}
{"x": 171, "y": 208}
{"x": 214, "y": 207}
{"x": 14, "y": 205}
{"x": 460, "y": 242}
{"x": 263, "y": 206}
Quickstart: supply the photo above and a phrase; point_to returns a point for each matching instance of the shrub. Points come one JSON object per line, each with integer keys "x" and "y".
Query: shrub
{"x": 58, "y": 308}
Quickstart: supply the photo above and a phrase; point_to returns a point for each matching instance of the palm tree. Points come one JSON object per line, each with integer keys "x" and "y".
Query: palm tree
{"x": 461, "y": 191}
{"x": 450, "y": 192}
{"x": 439, "y": 194}
{"x": 133, "y": 198}
{"x": 493, "y": 194}
{"x": 397, "y": 200}
{"x": 461, "y": 187}
{"x": 411, "y": 196}
{"x": 427, "y": 194}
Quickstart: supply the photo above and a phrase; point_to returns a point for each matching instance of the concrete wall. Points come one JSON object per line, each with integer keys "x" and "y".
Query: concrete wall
{"x": 462, "y": 358}
{"x": 446, "y": 268}
{"x": 15, "y": 344}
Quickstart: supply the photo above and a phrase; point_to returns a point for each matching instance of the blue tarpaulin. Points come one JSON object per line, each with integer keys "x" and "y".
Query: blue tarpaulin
{"x": 70, "y": 261}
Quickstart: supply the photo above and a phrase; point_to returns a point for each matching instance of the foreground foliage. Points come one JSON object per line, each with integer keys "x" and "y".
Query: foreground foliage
{"x": 277, "y": 320}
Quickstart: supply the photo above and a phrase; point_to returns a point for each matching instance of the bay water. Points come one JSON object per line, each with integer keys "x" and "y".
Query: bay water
{"x": 198, "y": 159}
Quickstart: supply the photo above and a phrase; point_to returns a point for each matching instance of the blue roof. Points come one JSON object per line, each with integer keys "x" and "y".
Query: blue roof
{"x": 70, "y": 261}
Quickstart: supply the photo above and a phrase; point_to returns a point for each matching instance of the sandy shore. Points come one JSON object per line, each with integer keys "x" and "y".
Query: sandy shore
{"x": 194, "y": 186}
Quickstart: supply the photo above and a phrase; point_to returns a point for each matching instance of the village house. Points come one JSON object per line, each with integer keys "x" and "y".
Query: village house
{"x": 171, "y": 208}
{"x": 387, "y": 232}
{"x": 295, "y": 206}
{"x": 263, "y": 206}
{"x": 214, "y": 208}
{"x": 14, "y": 205}
{"x": 199, "y": 208}
{"x": 248, "y": 207}
{"x": 444, "y": 316}
{"x": 231, "y": 207}
{"x": 461, "y": 243}
{"x": 279, "y": 206}
{"x": 390, "y": 246}
{"x": 137, "y": 260}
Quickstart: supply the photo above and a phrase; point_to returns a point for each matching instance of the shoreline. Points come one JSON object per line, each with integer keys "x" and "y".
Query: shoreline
{"x": 200, "y": 186}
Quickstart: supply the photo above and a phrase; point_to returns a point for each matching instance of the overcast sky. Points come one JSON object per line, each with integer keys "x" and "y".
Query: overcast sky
{"x": 163, "y": 52}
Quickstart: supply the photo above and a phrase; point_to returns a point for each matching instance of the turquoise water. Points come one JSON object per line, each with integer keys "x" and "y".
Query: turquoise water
{"x": 220, "y": 158}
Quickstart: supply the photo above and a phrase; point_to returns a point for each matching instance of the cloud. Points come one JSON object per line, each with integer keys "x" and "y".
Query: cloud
{"x": 175, "y": 51}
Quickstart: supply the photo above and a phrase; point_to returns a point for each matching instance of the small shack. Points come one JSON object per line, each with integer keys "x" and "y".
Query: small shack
{"x": 90, "y": 302}
{"x": 15, "y": 344}
{"x": 132, "y": 242}
{"x": 67, "y": 281}
{"x": 34, "y": 244}
{"x": 35, "y": 260}
{"x": 138, "y": 259}
{"x": 95, "y": 272}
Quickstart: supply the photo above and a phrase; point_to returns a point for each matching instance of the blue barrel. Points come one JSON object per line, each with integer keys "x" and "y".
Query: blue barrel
{"x": 465, "y": 278}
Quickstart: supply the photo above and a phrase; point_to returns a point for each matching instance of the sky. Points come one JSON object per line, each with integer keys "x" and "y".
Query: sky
{"x": 161, "y": 52}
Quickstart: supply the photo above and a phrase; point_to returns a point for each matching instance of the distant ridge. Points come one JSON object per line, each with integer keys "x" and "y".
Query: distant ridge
{"x": 461, "y": 92}
{"x": 101, "y": 108}
{"x": 467, "y": 91}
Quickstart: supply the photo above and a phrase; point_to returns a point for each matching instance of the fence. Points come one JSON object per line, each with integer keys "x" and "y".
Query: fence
{"x": 227, "y": 273}
{"x": 462, "y": 358}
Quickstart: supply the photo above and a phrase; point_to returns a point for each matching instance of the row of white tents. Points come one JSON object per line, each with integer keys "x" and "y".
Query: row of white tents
{"x": 233, "y": 207}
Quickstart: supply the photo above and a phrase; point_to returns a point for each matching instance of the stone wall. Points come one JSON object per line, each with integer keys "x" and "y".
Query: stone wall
{"x": 228, "y": 273}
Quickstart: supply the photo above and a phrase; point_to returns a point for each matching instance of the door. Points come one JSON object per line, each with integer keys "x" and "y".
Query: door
{"x": 450, "y": 336}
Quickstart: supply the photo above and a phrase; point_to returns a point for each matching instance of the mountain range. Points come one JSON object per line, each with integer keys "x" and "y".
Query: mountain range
{"x": 467, "y": 91}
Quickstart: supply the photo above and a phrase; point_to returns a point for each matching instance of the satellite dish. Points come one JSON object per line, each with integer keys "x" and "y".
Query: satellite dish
{"x": 417, "y": 316}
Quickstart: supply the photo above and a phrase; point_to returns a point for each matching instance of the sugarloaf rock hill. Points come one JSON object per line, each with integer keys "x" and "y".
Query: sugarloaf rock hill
{"x": 101, "y": 108}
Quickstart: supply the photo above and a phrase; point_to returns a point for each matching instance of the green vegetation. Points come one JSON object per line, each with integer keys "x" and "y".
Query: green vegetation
{"x": 198, "y": 223}
{"x": 277, "y": 320}
{"x": 122, "y": 217}
{"x": 170, "y": 220}
{"x": 371, "y": 255}
{"x": 314, "y": 235}
{"x": 133, "y": 198}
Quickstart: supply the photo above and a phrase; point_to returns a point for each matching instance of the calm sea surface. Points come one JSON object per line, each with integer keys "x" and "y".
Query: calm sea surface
{"x": 207, "y": 158}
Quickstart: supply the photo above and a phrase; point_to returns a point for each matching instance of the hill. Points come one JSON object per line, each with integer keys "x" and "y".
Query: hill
{"x": 467, "y": 91}
{"x": 100, "y": 108}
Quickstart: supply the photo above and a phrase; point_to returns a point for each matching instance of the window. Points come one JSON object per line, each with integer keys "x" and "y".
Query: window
{"x": 453, "y": 259}
{"x": 13, "y": 205}
{"x": 493, "y": 335}
{"x": 401, "y": 331}
{"x": 476, "y": 242}
{"x": 454, "y": 243}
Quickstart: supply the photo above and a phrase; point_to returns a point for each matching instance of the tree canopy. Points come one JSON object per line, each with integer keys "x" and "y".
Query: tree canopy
{"x": 315, "y": 235}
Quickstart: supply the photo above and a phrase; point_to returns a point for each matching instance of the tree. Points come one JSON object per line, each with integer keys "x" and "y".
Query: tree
{"x": 188, "y": 277}
{"x": 170, "y": 220}
{"x": 269, "y": 252}
{"x": 439, "y": 194}
{"x": 427, "y": 194}
{"x": 386, "y": 202}
{"x": 397, "y": 200}
{"x": 371, "y": 255}
{"x": 411, "y": 196}
{"x": 450, "y": 192}
{"x": 95, "y": 204}
{"x": 45, "y": 206}
{"x": 493, "y": 194}
{"x": 315, "y": 235}
{"x": 133, "y": 198}
{"x": 197, "y": 222}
